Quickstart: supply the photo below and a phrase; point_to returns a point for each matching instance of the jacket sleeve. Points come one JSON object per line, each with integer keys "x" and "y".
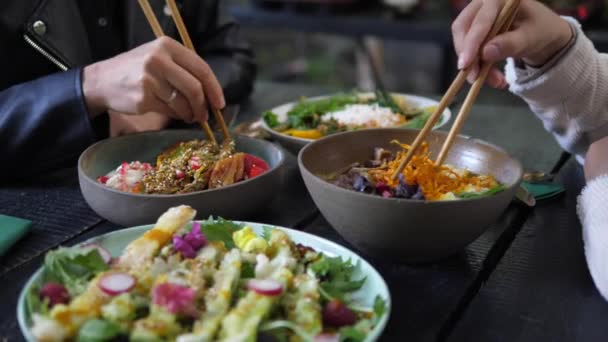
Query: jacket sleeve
{"x": 568, "y": 94}
{"x": 222, "y": 47}
{"x": 43, "y": 124}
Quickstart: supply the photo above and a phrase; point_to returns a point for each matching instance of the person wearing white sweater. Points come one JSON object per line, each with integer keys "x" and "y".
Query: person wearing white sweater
{"x": 555, "y": 68}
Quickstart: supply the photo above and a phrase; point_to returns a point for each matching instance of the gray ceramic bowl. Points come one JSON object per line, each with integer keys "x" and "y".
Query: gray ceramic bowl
{"x": 237, "y": 201}
{"x": 400, "y": 229}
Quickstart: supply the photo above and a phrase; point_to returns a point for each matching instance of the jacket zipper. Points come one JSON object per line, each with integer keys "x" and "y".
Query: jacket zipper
{"x": 45, "y": 53}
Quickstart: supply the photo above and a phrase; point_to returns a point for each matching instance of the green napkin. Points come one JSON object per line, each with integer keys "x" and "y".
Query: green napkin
{"x": 11, "y": 230}
{"x": 542, "y": 191}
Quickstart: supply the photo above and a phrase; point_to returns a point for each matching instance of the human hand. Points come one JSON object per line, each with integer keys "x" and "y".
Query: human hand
{"x": 596, "y": 161}
{"x": 121, "y": 124}
{"x": 536, "y": 35}
{"x": 146, "y": 78}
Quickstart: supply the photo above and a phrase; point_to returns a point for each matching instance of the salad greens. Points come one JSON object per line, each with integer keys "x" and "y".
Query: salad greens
{"x": 73, "y": 267}
{"x": 255, "y": 284}
{"x": 304, "y": 119}
{"x": 336, "y": 277}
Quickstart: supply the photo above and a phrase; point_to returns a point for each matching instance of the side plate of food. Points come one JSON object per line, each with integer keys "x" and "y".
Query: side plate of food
{"x": 186, "y": 280}
{"x": 298, "y": 123}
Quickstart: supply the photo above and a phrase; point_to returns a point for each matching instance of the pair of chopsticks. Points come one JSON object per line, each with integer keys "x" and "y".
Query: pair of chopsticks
{"x": 502, "y": 24}
{"x": 183, "y": 32}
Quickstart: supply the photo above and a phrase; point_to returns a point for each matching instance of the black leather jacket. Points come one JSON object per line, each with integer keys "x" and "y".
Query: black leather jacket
{"x": 43, "y": 46}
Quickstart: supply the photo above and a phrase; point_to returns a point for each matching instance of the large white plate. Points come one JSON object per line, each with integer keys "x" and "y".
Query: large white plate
{"x": 294, "y": 144}
{"x": 116, "y": 242}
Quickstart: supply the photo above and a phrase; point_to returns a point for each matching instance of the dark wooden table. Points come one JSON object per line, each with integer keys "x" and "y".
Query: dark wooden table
{"x": 524, "y": 279}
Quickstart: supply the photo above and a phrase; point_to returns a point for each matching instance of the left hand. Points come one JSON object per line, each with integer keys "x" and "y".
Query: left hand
{"x": 596, "y": 161}
{"x": 121, "y": 124}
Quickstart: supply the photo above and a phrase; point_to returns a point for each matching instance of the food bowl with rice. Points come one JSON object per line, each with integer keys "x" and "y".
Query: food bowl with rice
{"x": 298, "y": 123}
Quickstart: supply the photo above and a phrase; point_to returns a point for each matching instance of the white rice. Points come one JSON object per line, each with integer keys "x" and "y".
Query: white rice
{"x": 364, "y": 115}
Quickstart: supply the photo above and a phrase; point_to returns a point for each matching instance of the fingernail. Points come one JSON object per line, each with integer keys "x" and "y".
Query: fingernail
{"x": 460, "y": 63}
{"x": 492, "y": 52}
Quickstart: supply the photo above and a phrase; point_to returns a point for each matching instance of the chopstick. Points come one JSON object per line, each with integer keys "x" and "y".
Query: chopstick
{"x": 158, "y": 32}
{"x": 502, "y": 23}
{"x": 474, "y": 91}
{"x": 183, "y": 33}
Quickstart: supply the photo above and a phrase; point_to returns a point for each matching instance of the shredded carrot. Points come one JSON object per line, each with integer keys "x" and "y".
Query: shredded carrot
{"x": 435, "y": 181}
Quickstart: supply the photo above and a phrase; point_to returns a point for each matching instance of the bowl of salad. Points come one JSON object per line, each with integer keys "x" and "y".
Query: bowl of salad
{"x": 131, "y": 180}
{"x": 211, "y": 280}
{"x": 426, "y": 212}
{"x": 296, "y": 124}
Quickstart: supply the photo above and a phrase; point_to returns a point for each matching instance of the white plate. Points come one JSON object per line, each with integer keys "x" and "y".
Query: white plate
{"x": 115, "y": 242}
{"x": 294, "y": 144}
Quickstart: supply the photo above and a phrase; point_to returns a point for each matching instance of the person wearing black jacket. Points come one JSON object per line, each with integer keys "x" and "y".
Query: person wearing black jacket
{"x": 72, "y": 71}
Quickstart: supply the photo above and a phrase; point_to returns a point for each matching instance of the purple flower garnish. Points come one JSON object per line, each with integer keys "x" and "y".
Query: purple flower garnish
{"x": 191, "y": 242}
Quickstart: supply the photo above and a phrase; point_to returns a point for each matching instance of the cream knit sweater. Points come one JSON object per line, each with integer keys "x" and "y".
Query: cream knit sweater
{"x": 570, "y": 95}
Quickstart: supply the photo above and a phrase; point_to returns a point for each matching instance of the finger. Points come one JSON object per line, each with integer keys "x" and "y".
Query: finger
{"x": 495, "y": 79}
{"x": 194, "y": 64}
{"x": 190, "y": 88}
{"x": 160, "y": 106}
{"x": 508, "y": 44}
{"x": 482, "y": 24}
{"x": 473, "y": 73}
{"x": 181, "y": 106}
{"x": 461, "y": 26}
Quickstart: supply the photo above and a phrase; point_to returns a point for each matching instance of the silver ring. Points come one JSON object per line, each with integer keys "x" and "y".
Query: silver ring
{"x": 172, "y": 96}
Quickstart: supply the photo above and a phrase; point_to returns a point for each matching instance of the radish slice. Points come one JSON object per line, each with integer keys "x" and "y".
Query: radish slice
{"x": 116, "y": 283}
{"x": 105, "y": 254}
{"x": 327, "y": 338}
{"x": 266, "y": 287}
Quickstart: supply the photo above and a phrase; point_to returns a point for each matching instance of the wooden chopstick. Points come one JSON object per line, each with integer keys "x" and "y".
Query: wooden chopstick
{"x": 511, "y": 8}
{"x": 183, "y": 32}
{"x": 158, "y": 32}
{"x": 451, "y": 93}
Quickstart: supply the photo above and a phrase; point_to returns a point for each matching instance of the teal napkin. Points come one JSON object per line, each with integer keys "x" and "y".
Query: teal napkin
{"x": 542, "y": 191}
{"x": 11, "y": 230}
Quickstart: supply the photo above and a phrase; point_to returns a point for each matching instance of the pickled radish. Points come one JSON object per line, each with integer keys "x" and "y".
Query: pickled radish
{"x": 116, "y": 283}
{"x": 265, "y": 287}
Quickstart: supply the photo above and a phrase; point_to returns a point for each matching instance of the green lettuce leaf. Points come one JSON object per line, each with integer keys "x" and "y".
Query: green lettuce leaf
{"x": 379, "y": 308}
{"x": 336, "y": 277}
{"x": 272, "y": 120}
{"x": 73, "y": 267}
{"x": 486, "y": 193}
{"x": 220, "y": 230}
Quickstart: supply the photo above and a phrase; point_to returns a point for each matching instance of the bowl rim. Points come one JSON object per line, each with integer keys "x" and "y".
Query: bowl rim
{"x": 374, "y": 335}
{"x": 94, "y": 182}
{"x": 446, "y": 116}
{"x": 304, "y": 169}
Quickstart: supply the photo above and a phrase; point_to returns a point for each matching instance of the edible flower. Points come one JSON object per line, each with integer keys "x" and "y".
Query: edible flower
{"x": 191, "y": 242}
{"x": 246, "y": 240}
{"x": 177, "y": 299}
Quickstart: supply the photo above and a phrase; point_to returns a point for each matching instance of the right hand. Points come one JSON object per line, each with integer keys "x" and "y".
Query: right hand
{"x": 536, "y": 35}
{"x": 142, "y": 80}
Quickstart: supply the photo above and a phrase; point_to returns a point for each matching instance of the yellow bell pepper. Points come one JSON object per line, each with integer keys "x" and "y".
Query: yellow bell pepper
{"x": 304, "y": 133}
{"x": 247, "y": 241}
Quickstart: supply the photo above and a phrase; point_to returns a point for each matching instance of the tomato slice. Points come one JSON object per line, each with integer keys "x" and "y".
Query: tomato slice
{"x": 254, "y": 166}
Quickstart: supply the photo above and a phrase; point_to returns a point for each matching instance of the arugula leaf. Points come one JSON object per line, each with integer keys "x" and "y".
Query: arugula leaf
{"x": 98, "y": 330}
{"x": 272, "y": 120}
{"x": 351, "y": 334}
{"x": 73, "y": 267}
{"x": 336, "y": 277}
{"x": 307, "y": 114}
{"x": 385, "y": 99}
{"x": 247, "y": 270}
{"x": 379, "y": 308}
{"x": 34, "y": 304}
{"x": 267, "y": 231}
{"x": 220, "y": 230}
{"x": 490, "y": 192}
{"x": 419, "y": 121}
